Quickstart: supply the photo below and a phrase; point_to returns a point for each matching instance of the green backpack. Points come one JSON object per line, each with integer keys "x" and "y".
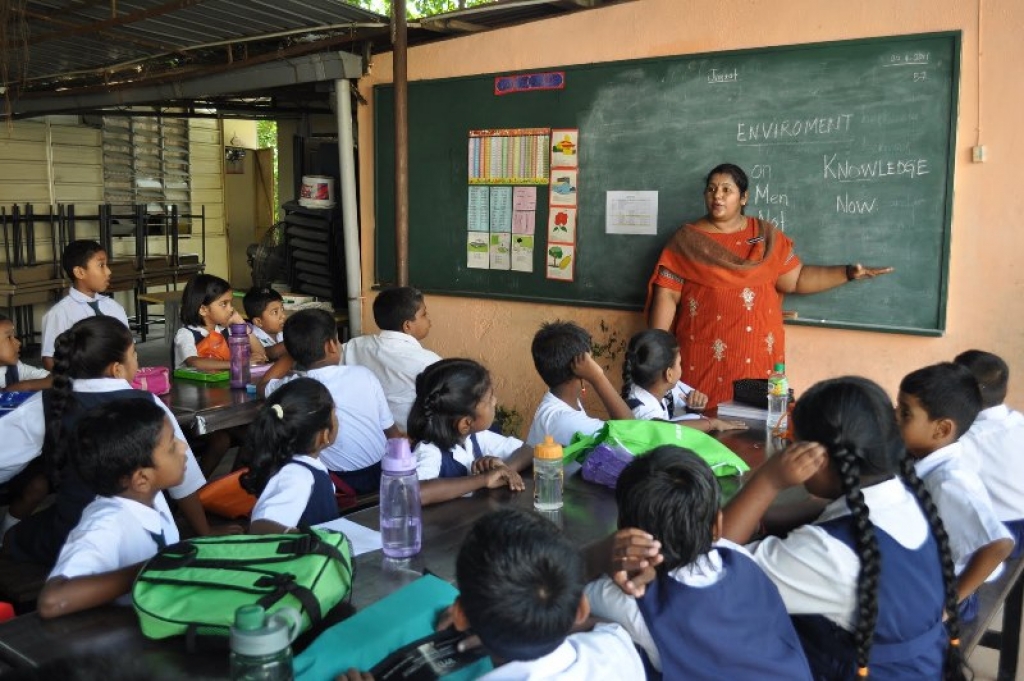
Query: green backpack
{"x": 194, "y": 587}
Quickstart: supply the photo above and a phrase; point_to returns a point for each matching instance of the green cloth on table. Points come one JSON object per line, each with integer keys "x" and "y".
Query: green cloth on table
{"x": 366, "y": 638}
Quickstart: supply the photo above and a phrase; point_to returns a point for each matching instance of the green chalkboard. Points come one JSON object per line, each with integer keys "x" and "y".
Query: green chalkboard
{"x": 849, "y": 147}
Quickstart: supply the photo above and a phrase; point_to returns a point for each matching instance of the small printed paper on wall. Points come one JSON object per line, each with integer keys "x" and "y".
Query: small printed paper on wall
{"x": 565, "y": 148}
{"x": 560, "y": 262}
{"x": 478, "y": 251}
{"x": 563, "y": 188}
{"x": 500, "y": 251}
{"x": 562, "y": 225}
{"x": 522, "y": 253}
{"x": 501, "y": 209}
{"x": 478, "y": 212}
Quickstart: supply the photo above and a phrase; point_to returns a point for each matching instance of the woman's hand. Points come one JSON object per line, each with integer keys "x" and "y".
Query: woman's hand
{"x": 857, "y": 271}
{"x": 635, "y": 554}
{"x": 696, "y": 401}
{"x": 485, "y": 463}
{"x": 795, "y": 465}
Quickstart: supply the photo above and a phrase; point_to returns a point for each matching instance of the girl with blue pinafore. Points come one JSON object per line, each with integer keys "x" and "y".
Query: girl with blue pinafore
{"x": 870, "y": 578}
{"x": 294, "y": 487}
{"x": 455, "y": 452}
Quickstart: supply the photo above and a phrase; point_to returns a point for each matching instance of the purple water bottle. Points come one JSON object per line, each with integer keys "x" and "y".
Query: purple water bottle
{"x": 238, "y": 342}
{"x": 400, "y": 511}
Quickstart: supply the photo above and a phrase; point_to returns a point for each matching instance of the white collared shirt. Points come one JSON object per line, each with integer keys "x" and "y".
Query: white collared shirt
{"x": 23, "y": 430}
{"x": 653, "y": 407}
{"x": 559, "y": 420}
{"x": 604, "y": 654}
{"x": 428, "y": 455}
{"x": 26, "y": 372}
{"x": 72, "y": 308}
{"x": 963, "y": 504}
{"x": 608, "y": 601}
{"x": 265, "y": 339}
{"x": 816, "y": 574}
{"x": 396, "y": 359}
{"x": 363, "y": 415}
{"x": 114, "y": 533}
{"x": 994, "y": 448}
{"x": 286, "y": 495}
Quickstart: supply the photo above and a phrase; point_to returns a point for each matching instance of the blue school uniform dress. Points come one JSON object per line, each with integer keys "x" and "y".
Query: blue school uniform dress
{"x": 910, "y": 639}
{"x": 433, "y": 462}
{"x": 707, "y": 632}
{"x": 300, "y": 495}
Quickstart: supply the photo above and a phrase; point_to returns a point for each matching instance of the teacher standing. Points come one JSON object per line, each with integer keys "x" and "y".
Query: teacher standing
{"x": 719, "y": 285}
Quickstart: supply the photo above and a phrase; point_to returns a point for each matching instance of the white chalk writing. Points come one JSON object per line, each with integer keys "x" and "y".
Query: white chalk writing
{"x": 844, "y": 204}
{"x": 793, "y": 127}
{"x": 845, "y": 171}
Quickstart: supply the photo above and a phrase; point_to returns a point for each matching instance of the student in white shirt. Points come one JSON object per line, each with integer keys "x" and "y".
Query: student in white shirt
{"x": 95, "y": 362}
{"x": 294, "y": 487}
{"x": 395, "y": 355}
{"x": 265, "y": 309}
{"x": 994, "y": 445}
{"x": 85, "y": 263}
{"x": 15, "y": 375}
{"x": 651, "y": 385}
{"x": 364, "y": 420}
{"x": 207, "y": 308}
{"x": 561, "y": 355}
{"x": 127, "y": 452}
{"x": 935, "y": 405}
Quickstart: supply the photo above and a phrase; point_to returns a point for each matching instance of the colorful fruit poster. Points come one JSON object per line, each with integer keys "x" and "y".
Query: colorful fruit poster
{"x": 478, "y": 250}
{"x": 522, "y": 253}
{"x": 501, "y": 251}
{"x": 560, "y": 261}
{"x": 562, "y": 225}
{"x": 565, "y": 148}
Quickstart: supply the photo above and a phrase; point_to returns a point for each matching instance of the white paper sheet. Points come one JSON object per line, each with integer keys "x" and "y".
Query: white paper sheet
{"x": 631, "y": 212}
{"x": 363, "y": 539}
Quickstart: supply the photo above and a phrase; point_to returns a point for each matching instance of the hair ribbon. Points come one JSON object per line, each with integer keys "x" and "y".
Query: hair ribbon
{"x": 278, "y": 411}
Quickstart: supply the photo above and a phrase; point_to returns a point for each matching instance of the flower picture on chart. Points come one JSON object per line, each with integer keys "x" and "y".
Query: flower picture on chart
{"x": 562, "y": 225}
{"x": 563, "y": 188}
{"x": 560, "y": 261}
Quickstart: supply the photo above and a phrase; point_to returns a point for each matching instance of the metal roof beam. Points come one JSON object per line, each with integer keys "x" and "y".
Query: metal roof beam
{"x": 159, "y": 10}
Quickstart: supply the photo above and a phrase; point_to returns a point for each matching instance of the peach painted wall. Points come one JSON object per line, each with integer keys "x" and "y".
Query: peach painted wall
{"x": 985, "y": 307}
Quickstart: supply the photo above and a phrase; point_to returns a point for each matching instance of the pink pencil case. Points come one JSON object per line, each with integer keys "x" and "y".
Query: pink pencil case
{"x": 156, "y": 380}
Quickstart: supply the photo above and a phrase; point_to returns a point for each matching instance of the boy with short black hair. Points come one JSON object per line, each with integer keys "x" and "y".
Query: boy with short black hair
{"x": 85, "y": 263}
{"x": 395, "y": 355}
{"x": 935, "y": 406}
{"x": 521, "y": 591}
{"x": 709, "y": 592}
{"x": 265, "y": 309}
{"x": 994, "y": 445}
{"x": 128, "y": 453}
{"x": 364, "y": 420}
{"x": 14, "y": 374}
{"x": 561, "y": 355}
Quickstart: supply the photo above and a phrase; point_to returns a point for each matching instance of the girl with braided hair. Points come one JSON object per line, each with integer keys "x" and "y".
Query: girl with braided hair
{"x": 94, "y": 363}
{"x": 455, "y": 452}
{"x": 652, "y": 389}
{"x": 869, "y": 583}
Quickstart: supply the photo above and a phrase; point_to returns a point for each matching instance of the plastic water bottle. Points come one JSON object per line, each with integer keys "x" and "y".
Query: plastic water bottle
{"x": 261, "y": 644}
{"x": 548, "y": 475}
{"x": 778, "y": 399}
{"x": 400, "y": 512}
{"x": 238, "y": 343}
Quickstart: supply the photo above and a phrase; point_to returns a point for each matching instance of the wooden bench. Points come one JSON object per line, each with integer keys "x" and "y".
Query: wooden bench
{"x": 1006, "y": 592}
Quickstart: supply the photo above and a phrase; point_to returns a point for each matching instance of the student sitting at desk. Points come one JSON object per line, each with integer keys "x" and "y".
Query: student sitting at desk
{"x": 294, "y": 487}
{"x": 935, "y": 405}
{"x": 561, "y": 355}
{"x": 14, "y": 374}
{"x": 265, "y": 309}
{"x": 709, "y": 593}
{"x": 206, "y": 311}
{"x": 993, "y": 444}
{"x": 128, "y": 453}
{"x": 364, "y": 420}
{"x": 395, "y": 355}
{"x": 85, "y": 264}
{"x": 456, "y": 453}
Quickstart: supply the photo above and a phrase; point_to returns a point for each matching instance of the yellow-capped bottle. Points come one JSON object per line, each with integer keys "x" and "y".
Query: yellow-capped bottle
{"x": 548, "y": 475}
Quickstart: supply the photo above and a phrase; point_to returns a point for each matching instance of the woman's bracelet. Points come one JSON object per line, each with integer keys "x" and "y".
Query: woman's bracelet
{"x": 851, "y": 272}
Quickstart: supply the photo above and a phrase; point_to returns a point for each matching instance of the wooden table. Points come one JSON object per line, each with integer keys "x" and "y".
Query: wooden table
{"x": 202, "y": 407}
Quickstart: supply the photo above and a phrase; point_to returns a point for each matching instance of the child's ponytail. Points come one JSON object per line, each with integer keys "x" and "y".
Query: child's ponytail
{"x": 848, "y": 466}
{"x": 83, "y": 351}
{"x": 648, "y": 355}
{"x": 288, "y": 424}
{"x": 954, "y": 668}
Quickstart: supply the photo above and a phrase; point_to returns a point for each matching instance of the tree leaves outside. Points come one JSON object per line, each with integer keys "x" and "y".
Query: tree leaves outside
{"x": 419, "y": 8}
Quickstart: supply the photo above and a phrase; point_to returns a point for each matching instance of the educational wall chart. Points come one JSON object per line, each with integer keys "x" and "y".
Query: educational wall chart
{"x": 496, "y": 209}
{"x": 563, "y": 197}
